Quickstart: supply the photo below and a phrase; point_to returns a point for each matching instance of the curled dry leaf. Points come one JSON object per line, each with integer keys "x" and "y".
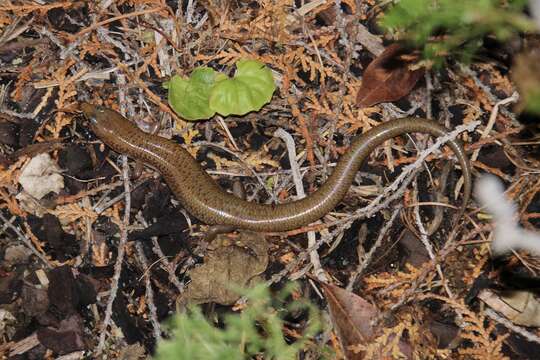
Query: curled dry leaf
{"x": 521, "y": 307}
{"x": 389, "y": 77}
{"x": 41, "y": 176}
{"x": 353, "y": 319}
{"x": 228, "y": 266}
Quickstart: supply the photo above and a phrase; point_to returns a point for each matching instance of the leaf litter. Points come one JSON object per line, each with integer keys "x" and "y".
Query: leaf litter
{"x": 332, "y": 81}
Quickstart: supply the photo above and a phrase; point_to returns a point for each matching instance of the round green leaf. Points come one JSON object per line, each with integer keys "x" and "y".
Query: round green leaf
{"x": 189, "y": 97}
{"x": 250, "y": 88}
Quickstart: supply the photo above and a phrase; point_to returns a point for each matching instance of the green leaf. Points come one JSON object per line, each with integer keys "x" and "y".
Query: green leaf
{"x": 189, "y": 97}
{"x": 250, "y": 88}
{"x": 455, "y": 28}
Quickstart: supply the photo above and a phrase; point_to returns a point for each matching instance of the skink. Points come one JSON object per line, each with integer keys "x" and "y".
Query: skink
{"x": 206, "y": 200}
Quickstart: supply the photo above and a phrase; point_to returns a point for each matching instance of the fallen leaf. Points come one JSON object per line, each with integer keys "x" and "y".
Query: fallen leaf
{"x": 16, "y": 254}
{"x": 227, "y": 265}
{"x": 30, "y": 204}
{"x": 48, "y": 228}
{"x": 521, "y": 307}
{"x": 132, "y": 352}
{"x": 41, "y": 176}
{"x": 7, "y": 322}
{"x": 352, "y": 317}
{"x": 389, "y": 77}
{"x": 67, "y": 338}
{"x": 526, "y": 75}
{"x": 35, "y": 300}
{"x": 9, "y": 283}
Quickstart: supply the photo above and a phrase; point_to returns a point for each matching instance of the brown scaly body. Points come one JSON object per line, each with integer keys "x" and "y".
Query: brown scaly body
{"x": 204, "y": 199}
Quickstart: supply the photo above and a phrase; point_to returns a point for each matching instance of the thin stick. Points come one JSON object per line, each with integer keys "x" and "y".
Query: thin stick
{"x": 165, "y": 263}
{"x": 123, "y": 241}
{"x": 492, "y": 118}
{"x": 149, "y": 293}
{"x": 297, "y": 177}
{"x": 25, "y": 240}
{"x": 424, "y": 239}
{"x": 119, "y": 258}
{"x": 517, "y": 329}
{"x": 113, "y": 19}
{"x": 367, "y": 258}
{"x": 404, "y": 179}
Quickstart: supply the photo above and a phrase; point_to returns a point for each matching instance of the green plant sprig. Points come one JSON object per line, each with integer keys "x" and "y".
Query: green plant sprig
{"x": 257, "y": 330}
{"x": 455, "y": 28}
{"x": 207, "y": 92}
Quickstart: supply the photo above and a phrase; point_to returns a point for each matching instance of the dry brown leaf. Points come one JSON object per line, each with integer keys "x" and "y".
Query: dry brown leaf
{"x": 526, "y": 75}
{"x": 228, "y": 265}
{"x": 40, "y": 176}
{"x": 521, "y": 307}
{"x": 352, "y": 317}
{"x": 389, "y": 77}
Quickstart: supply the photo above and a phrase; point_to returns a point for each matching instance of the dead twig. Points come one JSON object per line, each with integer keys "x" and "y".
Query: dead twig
{"x": 149, "y": 293}
{"x": 25, "y": 240}
{"x": 289, "y": 143}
